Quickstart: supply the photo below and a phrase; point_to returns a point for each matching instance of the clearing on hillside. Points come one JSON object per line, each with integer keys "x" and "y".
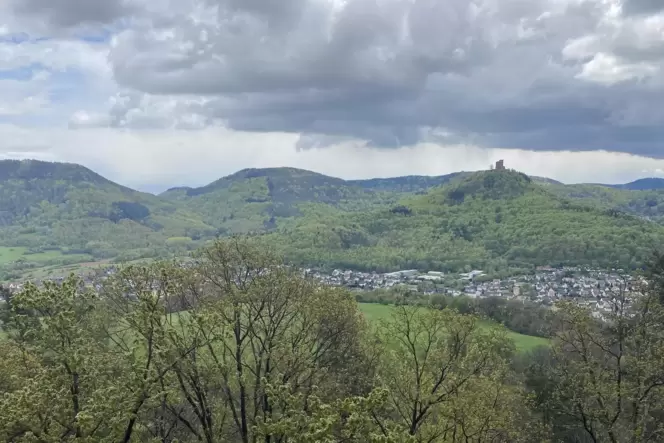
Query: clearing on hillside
{"x": 375, "y": 312}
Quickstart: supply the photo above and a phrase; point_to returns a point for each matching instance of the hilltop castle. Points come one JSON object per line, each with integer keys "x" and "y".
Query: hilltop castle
{"x": 499, "y": 166}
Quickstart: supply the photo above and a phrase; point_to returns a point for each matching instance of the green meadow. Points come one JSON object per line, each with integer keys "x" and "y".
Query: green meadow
{"x": 375, "y": 312}
{"x": 14, "y": 253}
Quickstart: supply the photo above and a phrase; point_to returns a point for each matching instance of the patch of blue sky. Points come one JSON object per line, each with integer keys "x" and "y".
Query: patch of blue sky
{"x": 23, "y": 73}
{"x": 103, "y": 34}
{"x": 33, "y": 119}
{"x": 15, "y": 38}
{"x": 67, "y": 86}
{"x": 18, "y": 38}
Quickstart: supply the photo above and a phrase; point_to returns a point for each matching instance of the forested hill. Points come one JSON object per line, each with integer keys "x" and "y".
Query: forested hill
{"x": 53, "y": 213}
{"x": 35, "y": 170}
{"x": 408, "y": 183}
{"x": 493, "y": 220}
{"x": 642, "y": 184}
{"x": 56, "y": 213}
{"x": 262, "y": 199}
{"x": 271, "y": 176}
{"x": 422, "y": 183}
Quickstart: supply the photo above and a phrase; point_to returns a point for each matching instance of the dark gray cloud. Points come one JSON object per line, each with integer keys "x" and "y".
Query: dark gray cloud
{"x": 642, "y": 6}
{"x": 536, "y": 74}
{"x": 72, "y": 13}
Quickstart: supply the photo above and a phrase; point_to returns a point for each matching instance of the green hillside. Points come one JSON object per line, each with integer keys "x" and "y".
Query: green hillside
{"x": 258, "y": 200}
{"x": 642, "y": 184}
{"x": 376, "y": 313}
{"x": 409, "y": 183}
{"x": 421, "y": 183}
{"x": 643, "y": 203}
{"x": 493, "y": 220}
{"x": 644, "y": 198}
{"x": 254, "y": 200}
{"x": 54, "y": 213}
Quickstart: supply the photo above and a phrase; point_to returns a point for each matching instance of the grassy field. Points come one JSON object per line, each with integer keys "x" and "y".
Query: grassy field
{"x": 375, "y": 312}
{"x": 14, "y": 253}
{"x": 51, "y": 272}
{"x": 8, "y": 255}
{"x": 45, "y": 264}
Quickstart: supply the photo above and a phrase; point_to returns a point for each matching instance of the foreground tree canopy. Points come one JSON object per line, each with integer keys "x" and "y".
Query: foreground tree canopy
{"x": 236, "y": 347}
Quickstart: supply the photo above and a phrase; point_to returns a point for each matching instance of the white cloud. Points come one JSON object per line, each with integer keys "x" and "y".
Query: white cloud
{"x": 24, "y": 97}
{"x": 57, "y": 55}
{"x": 608, "y": 69}
{"x": 84, "y": 119}
{"x": 42, "y": 82}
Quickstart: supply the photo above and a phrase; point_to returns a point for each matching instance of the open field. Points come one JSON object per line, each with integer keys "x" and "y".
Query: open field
{"x": 375, "y": 312}
{"x": 47, "y": 264}
{"x": 79, "y": 264}
{"x": 15, "y": 253}
{"x": 47, "y": 272}
{"x": 8, "y": 255}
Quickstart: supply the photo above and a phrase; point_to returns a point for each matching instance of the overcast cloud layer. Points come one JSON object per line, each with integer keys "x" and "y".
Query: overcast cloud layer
{"x": 187, "y": 90}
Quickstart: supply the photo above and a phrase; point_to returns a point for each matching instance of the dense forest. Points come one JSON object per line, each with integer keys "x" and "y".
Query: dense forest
{"x": 237, "y": 347}
{"x": 498, "y": 221}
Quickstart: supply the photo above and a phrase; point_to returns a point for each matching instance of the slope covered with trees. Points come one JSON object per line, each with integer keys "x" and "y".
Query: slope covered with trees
{"x": 494, "y": 220}
{"x": 254, "y": 200}
{"x": 642, "y": 184}
{"x": 261, "y": 199}
{"x": 409, "y": 183}
{"x": 72, "y": 211}
{"x": 648, "y": 204}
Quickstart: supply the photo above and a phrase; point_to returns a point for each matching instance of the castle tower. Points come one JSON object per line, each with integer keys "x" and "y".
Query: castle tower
{"x": 500, "y": 165}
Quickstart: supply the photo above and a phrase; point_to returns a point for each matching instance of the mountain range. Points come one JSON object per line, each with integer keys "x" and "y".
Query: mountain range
{"x": 57, "y": 215}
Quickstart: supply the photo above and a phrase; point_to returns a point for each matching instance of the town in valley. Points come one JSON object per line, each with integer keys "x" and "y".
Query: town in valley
{"x": 592, "y": 288}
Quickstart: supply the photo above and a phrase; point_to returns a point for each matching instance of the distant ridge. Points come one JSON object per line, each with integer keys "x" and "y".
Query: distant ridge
{"x": 278, "y": 175}
{"x": 177, "y": 188}
{"x": 405, "y": 183}
{"x": 35, "y": 169}
{"x": 642, "y": 184}
{"x": 39, "y": 170}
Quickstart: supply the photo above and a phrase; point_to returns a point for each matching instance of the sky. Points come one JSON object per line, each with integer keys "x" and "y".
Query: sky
{"x": 161, "y": 93}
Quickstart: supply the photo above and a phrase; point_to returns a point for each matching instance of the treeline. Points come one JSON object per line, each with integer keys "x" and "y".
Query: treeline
{"x": 237, "y": 348}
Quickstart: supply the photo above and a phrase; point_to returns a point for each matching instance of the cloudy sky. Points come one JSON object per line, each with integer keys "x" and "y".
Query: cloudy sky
{"x": 157, "y": 93}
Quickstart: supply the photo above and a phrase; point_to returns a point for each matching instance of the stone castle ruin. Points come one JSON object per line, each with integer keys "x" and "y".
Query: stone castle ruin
{"x": 499, "y": 166}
